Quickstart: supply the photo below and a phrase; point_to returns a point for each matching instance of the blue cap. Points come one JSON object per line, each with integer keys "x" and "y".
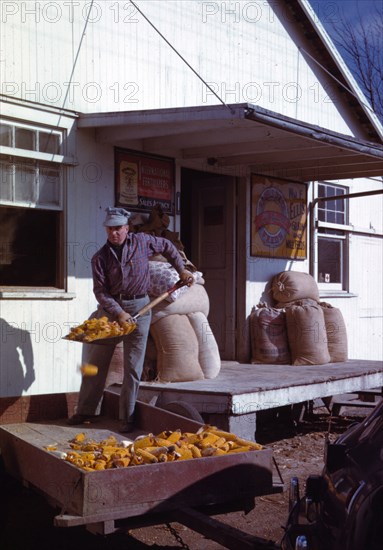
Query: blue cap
{"x": 116, "y": 216}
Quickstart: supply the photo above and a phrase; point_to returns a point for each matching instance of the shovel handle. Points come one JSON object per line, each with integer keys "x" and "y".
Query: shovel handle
{"x": 148, "y": 307}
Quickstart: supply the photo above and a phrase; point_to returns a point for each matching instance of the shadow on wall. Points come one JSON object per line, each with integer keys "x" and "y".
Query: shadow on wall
{"x": 17, "y": 372}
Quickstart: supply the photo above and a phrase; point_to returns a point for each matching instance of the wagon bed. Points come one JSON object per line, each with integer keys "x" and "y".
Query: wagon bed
{"x": 103, "y": 500}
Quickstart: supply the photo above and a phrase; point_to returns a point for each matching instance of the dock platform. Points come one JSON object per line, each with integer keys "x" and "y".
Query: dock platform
{"x": 240, "y": 391}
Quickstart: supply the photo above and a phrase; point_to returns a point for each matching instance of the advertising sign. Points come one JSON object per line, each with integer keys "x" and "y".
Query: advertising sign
{"x": 143, "y": 181}
{"x": 278, "y": 218}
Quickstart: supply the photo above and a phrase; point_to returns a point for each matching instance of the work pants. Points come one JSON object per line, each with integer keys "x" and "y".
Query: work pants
{"x": 100, "y": 354}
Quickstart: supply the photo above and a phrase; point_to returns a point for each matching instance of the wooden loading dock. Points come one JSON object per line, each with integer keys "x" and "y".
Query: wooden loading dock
{"x": 240, "y": 391}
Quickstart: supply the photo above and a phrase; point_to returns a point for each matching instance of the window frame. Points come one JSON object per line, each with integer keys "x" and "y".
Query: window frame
{"x": 334, "y": 231}
{"x": 39, "y": 161}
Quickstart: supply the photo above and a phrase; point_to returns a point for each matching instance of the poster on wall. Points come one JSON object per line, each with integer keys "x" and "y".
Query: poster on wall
{"x": 278, "y": 218}
{"x": 144, "y": 181}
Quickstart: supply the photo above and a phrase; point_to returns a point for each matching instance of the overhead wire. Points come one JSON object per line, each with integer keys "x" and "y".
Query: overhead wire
{"x": 181, "y": 56}
{"x": 77, "y": 53}
{"x": 336, "y": 79}
{"x": 74, "y": 66}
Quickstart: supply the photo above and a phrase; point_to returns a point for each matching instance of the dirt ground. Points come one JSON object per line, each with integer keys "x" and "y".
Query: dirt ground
{"x": 26, "y": 520}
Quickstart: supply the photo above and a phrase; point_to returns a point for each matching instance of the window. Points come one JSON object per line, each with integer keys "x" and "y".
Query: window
{"x": 332, "y": 242}
{"x": 31, "y": 204}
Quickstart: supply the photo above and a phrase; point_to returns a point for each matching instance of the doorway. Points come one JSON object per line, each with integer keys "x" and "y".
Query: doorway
{"x": 208, "y": 232}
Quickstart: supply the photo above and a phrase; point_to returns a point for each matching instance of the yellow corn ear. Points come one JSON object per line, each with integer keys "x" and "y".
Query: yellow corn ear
{"x": 252, "y": 444}
{"x": 160, "y": 442}
{"x": 208, "y": 439}
{"x": 196, "y": 452}
{"x": 232, "y": 437}
{"x": 156, "y": 451}
{"x": 147, "y": 457}
{"x": 144, "y": 442}
{"x": 220, "y": 442}
{"x": 219, "y": 452}
{"x": 243, "y": 449}
{"x": 174, "y": 436}
{"x": 99, "y": 465}
{"x": 183, "y": 453}
{"x": 163, "y": 457}
{"x": 136, "y": 460}
{"x": 191, "y": 438}
{"x": 208, "y": 451}
{"x": 122, "y": 462}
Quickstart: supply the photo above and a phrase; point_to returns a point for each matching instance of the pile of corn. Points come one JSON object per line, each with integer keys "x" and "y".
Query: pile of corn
{"x": 96, "y": 329}
{"x": 167, "y": 446}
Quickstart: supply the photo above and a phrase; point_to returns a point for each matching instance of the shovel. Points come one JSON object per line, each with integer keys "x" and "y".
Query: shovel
{"x": 88, "y": 337}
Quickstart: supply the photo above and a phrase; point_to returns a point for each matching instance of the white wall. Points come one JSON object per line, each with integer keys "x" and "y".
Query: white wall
{"x": 246, "y": 51}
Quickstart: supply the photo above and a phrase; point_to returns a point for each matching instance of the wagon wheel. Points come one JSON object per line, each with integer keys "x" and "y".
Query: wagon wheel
{"x": 184, "y": 409}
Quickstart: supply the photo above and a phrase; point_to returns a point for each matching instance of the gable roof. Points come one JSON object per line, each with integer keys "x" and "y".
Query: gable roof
{"x": 333, "y": 63}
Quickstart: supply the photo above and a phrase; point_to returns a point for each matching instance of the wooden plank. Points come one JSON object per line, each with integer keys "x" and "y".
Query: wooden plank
{"x": 246, "y": 388}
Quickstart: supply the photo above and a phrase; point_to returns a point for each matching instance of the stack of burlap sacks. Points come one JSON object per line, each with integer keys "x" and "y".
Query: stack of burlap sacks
{"x": 181, "y": 346}
{"x": 298, "y": 329}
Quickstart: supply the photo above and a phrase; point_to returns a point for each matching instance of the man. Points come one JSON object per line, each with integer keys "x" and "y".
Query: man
{"x": 120, "y": 283}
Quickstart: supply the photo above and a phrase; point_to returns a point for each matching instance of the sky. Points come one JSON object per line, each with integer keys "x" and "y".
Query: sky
{"x": 354, "y": 11}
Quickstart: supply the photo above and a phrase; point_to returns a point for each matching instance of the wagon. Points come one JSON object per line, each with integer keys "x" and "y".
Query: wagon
{"x": 186, "y": 491}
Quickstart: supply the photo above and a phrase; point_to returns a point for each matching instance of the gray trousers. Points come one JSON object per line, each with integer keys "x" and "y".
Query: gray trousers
{"x": 100, "y": 354}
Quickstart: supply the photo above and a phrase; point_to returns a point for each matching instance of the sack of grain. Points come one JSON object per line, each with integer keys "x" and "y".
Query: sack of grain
{"x": 303, "y": 302}
{"x": 288, "y": 286}
{"x": 149, "y": 371}
{"x": 307, "y": 336}
{"x": 208, "y": 352}
{"x": 194, "y": 299}
{"x": 269, "y": 342}
{"x": 163, "y": 276}
{"x": 336, "y": 333}
{"x": 177, "y": 349}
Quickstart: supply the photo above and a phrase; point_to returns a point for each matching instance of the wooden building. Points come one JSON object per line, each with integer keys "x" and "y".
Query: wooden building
{"x": 217, "y": 103}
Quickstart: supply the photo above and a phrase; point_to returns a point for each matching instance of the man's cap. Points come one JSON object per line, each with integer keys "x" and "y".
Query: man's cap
{"x": 116, "y": 216}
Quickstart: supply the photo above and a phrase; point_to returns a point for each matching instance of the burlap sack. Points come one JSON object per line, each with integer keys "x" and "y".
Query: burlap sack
{"x": 307, "y": 335}
{"x": 288, "y": 286}
{"x": 194, "y": 299}
{"x": 303, "y": 302}
{"x": 149, "y": 371}
{"x": 177, "y": 349}
{"x": 337, "y": 342}
{"x": 269, "y": 342}
{"x": 208, "y": 352}
{"x": 163, "y": 276}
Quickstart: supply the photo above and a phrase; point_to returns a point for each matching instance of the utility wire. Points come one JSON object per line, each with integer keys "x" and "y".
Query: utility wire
{"x": 77, "y": 54}
{"x": 181, "y": 57}
{"x": 74, "y": 66}
{"x": 336, "y": 80}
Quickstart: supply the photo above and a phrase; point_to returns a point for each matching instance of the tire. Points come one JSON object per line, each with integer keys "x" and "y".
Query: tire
{"x": 184, "y": 409}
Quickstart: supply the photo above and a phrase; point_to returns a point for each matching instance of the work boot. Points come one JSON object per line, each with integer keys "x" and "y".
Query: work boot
{"x": 79, "y": 419}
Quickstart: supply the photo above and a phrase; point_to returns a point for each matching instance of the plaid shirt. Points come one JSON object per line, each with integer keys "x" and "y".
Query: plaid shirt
{"x": 130, "y": 275}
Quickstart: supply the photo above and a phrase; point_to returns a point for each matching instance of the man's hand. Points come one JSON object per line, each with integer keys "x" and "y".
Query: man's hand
{"x": 187, "y": 277}
{"x": 124, "y": 317}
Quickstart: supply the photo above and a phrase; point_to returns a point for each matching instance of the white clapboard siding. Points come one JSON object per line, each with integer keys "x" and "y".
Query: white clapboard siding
{"x": 247, "y": 52}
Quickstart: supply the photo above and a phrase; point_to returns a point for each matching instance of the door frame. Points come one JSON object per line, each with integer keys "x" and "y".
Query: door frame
{"x": 188, "y": 197}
